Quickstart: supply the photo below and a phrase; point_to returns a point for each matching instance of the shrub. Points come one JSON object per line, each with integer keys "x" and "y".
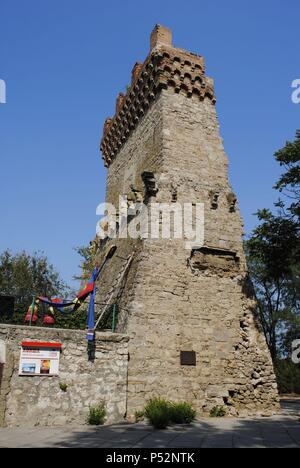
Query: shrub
{"x": 288, "y": 376}
{"x": 158, "y": 413}
{"x": 97, "y": 415}
{"x": 182, "y": 413}
{"x": 218, "y": 412}
{"x": 161, "y": 413}
{"x": 139, "y": 416}
{"x": 63, "y": 386}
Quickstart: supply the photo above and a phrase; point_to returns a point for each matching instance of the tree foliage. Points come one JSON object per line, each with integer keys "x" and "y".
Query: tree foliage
{"x": 289, "y": 183}
{"x": 288, "y": 376}
{"x": 88, "y": 262}
{"x": 24, "y": 276}
{"x": 273, "y": 252}
{"x": 272, "y": 259}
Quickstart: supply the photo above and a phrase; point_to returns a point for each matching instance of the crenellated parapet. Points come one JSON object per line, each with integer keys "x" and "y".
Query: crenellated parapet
{"x": 182, "y": 229}
{"x": 166, "y": 67}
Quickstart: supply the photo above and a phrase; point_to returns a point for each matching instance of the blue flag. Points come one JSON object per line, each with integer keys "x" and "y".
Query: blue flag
{"x": 91, "y": 316}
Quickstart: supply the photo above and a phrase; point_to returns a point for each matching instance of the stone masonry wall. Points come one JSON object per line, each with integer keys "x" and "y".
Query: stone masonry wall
{"x": 142, "y": 152}
{"x": 187, "y": 302}
{"x": 175, "y": 299}
{"x": 38, "y": 401}
{"x": 177, "y": 310}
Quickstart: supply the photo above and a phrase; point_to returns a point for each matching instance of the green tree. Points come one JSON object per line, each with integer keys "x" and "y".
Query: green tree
{"x": 273, "y": 252}
{"x": 289, "y": 183}
{"x": 87, "y": 262}
{"x": 273, "y": 256}
{"x": 288, "y": 376}
{"x": 24, "y": 276}
{"x": 73, "y": 320}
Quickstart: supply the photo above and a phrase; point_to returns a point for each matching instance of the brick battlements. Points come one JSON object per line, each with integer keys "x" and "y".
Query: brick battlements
{"x": 188, "y": 308}
{"x": 166, "y": 67}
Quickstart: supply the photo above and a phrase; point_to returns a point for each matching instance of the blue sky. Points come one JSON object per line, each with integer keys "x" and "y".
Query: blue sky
{"x": 64, "y": 62}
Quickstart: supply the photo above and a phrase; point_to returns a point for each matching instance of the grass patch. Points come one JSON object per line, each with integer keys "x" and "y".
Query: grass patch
{"x": 182, "y": 413}
{"x": 63, "y": 386}
{"x": 97, "y": 415}
{"x": 157, "y": 412}
{"x": 218, "y": 412}
{"x": 162, "y": 413}
{"x": 139, "y": 416}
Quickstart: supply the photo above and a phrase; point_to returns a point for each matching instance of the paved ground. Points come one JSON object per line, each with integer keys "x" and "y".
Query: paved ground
{"x": 277, "y": 432}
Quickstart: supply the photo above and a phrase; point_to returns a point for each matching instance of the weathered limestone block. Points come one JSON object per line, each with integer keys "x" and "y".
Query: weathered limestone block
{"x": 38, "y": 401}
{"x": 176, "y": 299}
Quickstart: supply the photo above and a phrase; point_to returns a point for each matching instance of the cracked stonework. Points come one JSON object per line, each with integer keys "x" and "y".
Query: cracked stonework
{"x": 174, "y": 300}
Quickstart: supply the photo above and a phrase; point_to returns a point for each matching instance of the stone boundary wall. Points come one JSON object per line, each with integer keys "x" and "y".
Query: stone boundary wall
{"x": 39, "y": 401}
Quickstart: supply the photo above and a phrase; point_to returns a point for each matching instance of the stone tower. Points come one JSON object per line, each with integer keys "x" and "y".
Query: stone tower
{"x": 190, "y": 314}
